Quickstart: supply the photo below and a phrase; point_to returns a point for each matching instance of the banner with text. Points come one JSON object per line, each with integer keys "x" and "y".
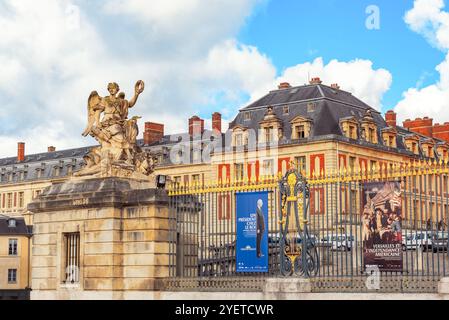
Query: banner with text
{"x": 252, "y": 231}
{"x": 382, "y": 226}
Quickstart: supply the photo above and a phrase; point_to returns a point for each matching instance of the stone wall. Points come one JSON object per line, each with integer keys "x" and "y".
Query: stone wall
{"x": 124, "y": 239}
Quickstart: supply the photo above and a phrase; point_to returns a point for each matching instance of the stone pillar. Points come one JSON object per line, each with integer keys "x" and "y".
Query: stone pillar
{"x": 123, "y": 228}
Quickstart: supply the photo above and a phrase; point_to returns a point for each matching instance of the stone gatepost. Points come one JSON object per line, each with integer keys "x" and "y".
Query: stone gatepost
{"x": 99, "y": 238}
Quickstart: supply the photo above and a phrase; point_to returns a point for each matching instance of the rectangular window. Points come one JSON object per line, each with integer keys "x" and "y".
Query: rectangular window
{"x": 21, "y": 200}
{"x": 37, "y": 193}
{"x": 371, "y": 134}
{"x": 238, "y": 140}
{"x": 239, "y": 171}
{"x": 352, "y": 161}
{"x": 12, "y": 275}
{"x": 9, "y": 200}
{"x": 224, "y": 207}
{"x": 268, "y": 168}
{"x": 12, "y": 247}
{"x": 72, "y": 257}
{"x": 300, "y": 163}
{"x": 196, "y": 179}
{"x": 177, "y": 180}
{"x": 414, "y": 147}
{"x": 354, "y": 209}
{"x": 247, "y": 116}
{"x": 268, "y": 134}
{"x": 300, "y": 132}
{"x": 285, "y": 109}
{"x": 351, "y": 132}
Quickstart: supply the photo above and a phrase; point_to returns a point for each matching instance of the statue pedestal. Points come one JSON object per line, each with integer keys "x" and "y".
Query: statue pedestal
{"x": 100, "y": 238}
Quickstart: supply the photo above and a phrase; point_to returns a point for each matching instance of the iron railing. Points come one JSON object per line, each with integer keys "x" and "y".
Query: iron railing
{"x": 203, "y": 228}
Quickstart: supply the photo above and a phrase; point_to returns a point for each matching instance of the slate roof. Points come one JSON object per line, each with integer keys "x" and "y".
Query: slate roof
{"x": 12, "y": 171}
{"x": 20, "y": 228}
{"x": 324, "y": 105}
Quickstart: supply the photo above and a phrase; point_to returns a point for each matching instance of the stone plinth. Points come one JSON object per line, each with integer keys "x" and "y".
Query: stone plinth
{"x": 284, "y": 288}
{"x": 123, "y": 228}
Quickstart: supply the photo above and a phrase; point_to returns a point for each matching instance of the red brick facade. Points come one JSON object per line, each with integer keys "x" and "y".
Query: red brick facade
{"x": 20, "y": 151}
{"x": 426, "y": 127}
{"x": 154, "y": 132}
{"x": 196, "y": 125}
{"x": 216, "y": 121}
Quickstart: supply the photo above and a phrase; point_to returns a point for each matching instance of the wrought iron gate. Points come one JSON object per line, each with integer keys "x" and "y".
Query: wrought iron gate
{"x": 315, "y": 231}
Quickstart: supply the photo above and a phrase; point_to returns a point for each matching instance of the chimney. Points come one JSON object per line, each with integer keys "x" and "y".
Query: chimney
{"x": 284, "y": 85}
{"x": 315, "y": 80}
{"x": 441, "y": 131}
{"x": 216, "y": 122}
{"x": 390, "y": 118}
{"x": 422, "y": 126}
{"x": 196, "y": 126}
{"x": 51, "y": 149}
{"x": 154, "y": 132}
{"x": 335, "y": 86}
{"x": 20, "y": 151}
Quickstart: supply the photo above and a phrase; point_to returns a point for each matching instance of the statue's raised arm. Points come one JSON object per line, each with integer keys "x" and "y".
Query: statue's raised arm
{"x": 138, "y": 89}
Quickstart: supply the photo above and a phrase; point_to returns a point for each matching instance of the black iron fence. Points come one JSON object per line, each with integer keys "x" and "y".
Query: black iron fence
{"x": 203, "y": 243}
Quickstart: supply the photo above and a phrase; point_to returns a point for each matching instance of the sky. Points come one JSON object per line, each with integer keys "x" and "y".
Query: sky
{"x": 198, "y": 57}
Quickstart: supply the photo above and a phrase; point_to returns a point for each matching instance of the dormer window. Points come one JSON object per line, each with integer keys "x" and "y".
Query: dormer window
{"x": 270, "y": 127}
{"x": 301, "y": 128}
{"x": 412, "y": 143}
{"x": 349, "y": 127}
{"x": 247, "y": 116}
{"x": 239, "y": 136}
{"x": 389, "y": 137}
{"x": 442, "y": 150}
{"x": 428, "y": 148}
{"x": 369, "y": 128}
{"x": 12, "y": 223}
{"x": 285, "y": 110}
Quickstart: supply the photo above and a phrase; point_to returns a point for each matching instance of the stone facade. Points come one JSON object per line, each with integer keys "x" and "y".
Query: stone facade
{"x": 123, "y": 243}
{"x": 14, "y": 255}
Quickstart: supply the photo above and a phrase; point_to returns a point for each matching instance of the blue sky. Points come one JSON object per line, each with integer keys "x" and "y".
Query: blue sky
{"x": 197, "y": 59}
{"x": 292, "y": 32}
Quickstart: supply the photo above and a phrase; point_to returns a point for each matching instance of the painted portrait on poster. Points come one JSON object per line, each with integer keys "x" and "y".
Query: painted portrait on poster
{"x": 382, "y": 226}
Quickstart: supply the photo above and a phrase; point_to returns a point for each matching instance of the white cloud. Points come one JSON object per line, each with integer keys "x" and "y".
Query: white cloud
{"x": 356, "y": 76}
{"x": 428, "y": 18}
{"x": 54, "y": 52}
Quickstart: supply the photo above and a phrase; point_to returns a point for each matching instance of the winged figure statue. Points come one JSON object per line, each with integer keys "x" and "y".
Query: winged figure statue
{"x": 108, "y": 123}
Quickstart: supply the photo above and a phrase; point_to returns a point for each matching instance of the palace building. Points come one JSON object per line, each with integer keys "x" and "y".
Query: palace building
{"x": 321, "y": 128}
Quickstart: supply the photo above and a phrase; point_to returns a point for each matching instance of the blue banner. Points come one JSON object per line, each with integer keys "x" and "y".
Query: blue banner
{"x": 252, "y": 231}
